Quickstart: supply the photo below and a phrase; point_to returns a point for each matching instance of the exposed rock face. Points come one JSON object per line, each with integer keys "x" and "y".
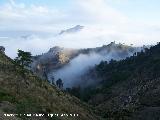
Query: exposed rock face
{"x": 2, "y": 49}
{"x": 55, "y": 58}
{"x": 62, "y": 58}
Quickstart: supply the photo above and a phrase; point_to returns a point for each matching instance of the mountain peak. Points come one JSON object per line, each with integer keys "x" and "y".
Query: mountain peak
{"x": 74, "y": 29}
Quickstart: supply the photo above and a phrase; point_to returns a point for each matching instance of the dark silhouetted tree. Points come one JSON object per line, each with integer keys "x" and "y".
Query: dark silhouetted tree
{"x": 59, "y": 83}
{"x": 23, "y": 60}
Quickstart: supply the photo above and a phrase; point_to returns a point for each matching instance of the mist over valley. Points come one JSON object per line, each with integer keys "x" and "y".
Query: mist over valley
{"x": 71, "y": 64}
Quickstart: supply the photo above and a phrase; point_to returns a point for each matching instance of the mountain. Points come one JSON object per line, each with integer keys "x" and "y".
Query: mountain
{"x": 57, "y": 59}
{"x": 77, "y": 28}
{"x": 21, "y": 95}
{"x": 54, "y": 59}
{"x": 128, "y": 86}
{"x": 128, "y": 89}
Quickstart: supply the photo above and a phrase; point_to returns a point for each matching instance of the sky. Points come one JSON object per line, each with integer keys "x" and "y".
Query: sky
{"x": 33, "y": 25}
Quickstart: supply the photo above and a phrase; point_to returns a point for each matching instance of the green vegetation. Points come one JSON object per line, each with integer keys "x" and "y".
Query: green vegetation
{"x": 126, "y": 85}
{"x": 144, "y": 64}
{"x": 30, "y": 94}
{"x": 4, "y": 96}
{"x": 22, "y": 61}
{"x": 24, "y": 58}
{"x": 127, "y": 89}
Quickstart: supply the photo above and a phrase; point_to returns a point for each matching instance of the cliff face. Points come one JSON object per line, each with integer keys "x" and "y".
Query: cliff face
{"x": 30, "y": 94}
{"x": 54, "y": 59}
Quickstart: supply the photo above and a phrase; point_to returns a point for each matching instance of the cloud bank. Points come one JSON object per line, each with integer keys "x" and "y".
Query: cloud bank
{"x": 102, "y": 22}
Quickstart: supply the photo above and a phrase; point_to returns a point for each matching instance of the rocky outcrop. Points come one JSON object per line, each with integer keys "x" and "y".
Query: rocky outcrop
{"x": 2, "y": 49}
{"x": 54, "y": 59}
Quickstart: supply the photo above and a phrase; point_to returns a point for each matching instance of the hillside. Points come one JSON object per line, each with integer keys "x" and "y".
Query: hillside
{"x": 129, "y": 88}
{"x": 30, "y": 94}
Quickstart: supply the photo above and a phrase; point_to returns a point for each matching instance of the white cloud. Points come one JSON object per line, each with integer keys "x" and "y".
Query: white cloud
{"x": 99, "y": 11}
{"x": 103, "y": 24}
{"x": 20, "y": 17}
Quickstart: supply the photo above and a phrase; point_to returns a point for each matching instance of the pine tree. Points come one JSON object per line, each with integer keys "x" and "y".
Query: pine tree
{"x": 23, "y": 60}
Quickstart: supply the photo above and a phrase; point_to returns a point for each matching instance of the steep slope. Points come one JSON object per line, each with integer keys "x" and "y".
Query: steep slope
{"x": 29, "y": 94}
{"x": 129, "y": 88}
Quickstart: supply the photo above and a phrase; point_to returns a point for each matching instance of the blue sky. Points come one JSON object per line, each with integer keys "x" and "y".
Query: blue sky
{"x": 127, "y": 21}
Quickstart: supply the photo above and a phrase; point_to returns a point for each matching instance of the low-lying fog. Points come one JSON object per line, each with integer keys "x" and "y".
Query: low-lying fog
{"x": 72, "y": 72}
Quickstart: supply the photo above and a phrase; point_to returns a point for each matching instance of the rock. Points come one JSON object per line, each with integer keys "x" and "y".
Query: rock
{"x": 2, "y": 49}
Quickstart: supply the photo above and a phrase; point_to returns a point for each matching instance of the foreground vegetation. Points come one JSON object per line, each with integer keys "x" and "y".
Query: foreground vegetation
{"x": 30, "y": 94}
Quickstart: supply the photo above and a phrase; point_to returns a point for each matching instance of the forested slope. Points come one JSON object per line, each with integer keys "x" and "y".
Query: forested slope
{"x": 130, "y": 88}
